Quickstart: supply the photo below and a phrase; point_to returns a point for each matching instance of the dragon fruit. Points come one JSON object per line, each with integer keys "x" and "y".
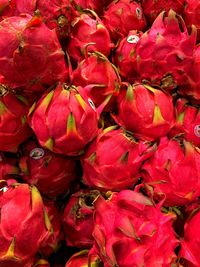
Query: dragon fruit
{"x": 88, "y": 33}
{"x": 146, "y": 111}
{"x": 49, "y": 172}
{"x": 191, "y": 90}
{"x": 10, "y": 8}
{"x": 30, "y": 54}
{"x": 187, "y": 122}
{"x": 172, "y": 172}
{"x": 96, "y": 69}
{"x": 131, "y": 231}
{"x": 165, "y": 52}
{"x": 94, "y": 5}
{"x": 14, "y": 128}
{"x": 152, "y": 8}
{"x": 78, "y": 218}
{"x": 66, "y": 134}
{"x": 191, "y": 242}
{"x": 120, "y": 168}
{"x": 52, "y": 242}
{"x": 81, "y": 259}
{"x": 24, "y": 225}
{"x": 8, "y": 167}
{"x": 191, "y": 15}
{"x": 123, "y": 16}
{"x": 124, "y": 56}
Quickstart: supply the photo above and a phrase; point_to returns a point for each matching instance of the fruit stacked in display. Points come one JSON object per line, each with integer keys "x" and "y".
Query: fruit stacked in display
{"x": 99, "y": 133}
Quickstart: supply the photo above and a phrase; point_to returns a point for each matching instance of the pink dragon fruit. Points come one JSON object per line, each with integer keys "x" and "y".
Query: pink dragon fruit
{"x": 52, "y": 242}
{"x": 96, "y": 69}
{"x": 190, "y": 245}
{"x": 152, "y": 8}
{"x": 131, "y": 231}
{"x": 191, "y": 90}
{"x": 8, "y": 167}
{"x": 94, "y": 5}
{"x": 78, "y": 219}
{"x": 24, "y": 225}
{"x": 49, "y": 172}
{"x": 187, "y": 122}
{"x": 123, "y": 16}
{"x": 191, "y": 15}
{"x": 66, "y": 134}
{"x": 10, "y": 8}
{"x": 172, "y": 172}
{"x": 118, "y": 169}
{"x": 146, "y": 111}
{"x": 30, "y": 54}
{"x": 57, "y": 14}
{"x": 165, "y": 52}
{"x": 88, "y": 33}
{"x": 124, "y": 56}
{"x": 81, "y": 259}
{"x": 14, "y": 128}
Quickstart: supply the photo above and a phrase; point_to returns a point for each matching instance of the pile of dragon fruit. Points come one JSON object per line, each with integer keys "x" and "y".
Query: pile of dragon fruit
{"x": 99, "y": 133}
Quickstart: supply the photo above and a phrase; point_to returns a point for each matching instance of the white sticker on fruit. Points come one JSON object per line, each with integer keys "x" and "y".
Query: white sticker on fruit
{"x": 4, "y": 189}
{"x": 133, "y": 39}
{"x": 37, "y": 153}
{"x": 92, "y": 105}
{"x": 197, "y": 130}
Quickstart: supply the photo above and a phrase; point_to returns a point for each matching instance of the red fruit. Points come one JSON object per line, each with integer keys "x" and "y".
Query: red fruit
{"x": 49, "y": 172}
{"x": 8, "y": 167}
{"x": 88, "y": 33}
{"x": 66, "y": 134}
{"x": 57, "y": 14}
{"x": 10, "y": 8}
{"x": 131, "y": 231}
{"x": 30, "y": 54}
{"x": 190, "y": 245}
{"x": 165, "y": 52}
{"x": 173, "y": 172}
{"x": 81, "y": 259}
{"x": 146, "y": 111}
{"x": 152, "y": 8}
{"x": 24, "y": 225}
{"x": 97, "y": 70}
{"x": 78, "y": 219}
{"x": 118, "y": 169}
{"x": 191, "y": 15}
{"x": 52, "y": 242}
{"x": 13, "y": 114}
{"x": 191, "y": 90}
{"x": 124, "y": 56}
{"x": 95, "y": 5}
{"x": 187, "y": 122}
{"x": 123, "y": 16}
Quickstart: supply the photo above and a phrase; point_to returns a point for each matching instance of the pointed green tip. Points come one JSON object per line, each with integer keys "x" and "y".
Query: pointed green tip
{"x": 71, "y": 124}
{"x": 157, "y": 117}
{"x": 129, "y": 93}
{"x": 49, "y": 144}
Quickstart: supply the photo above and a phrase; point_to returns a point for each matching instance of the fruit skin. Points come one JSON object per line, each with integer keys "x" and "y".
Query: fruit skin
{"x": 146, "y": 111}
{"x": 88, "y": 34}
{"x": 14, "y": 128}
{"x": 191, "y": 90}
{"x": 30, "y": 54}
{"x": 124, "y": 162}
{"x": 16, "y": 7}
{"x": 172, "y": 172}
{"x": 122, "y": 16}
{"x": 81, "y": 259}
{"x": 153, "y": 8}
{"x": 191, "y": 15}
{"x": 49, "y": 172}
{"x": 94, "y": 5}
{"x": 124, "y": 56}
{"x": 190, "y": 245}
{"x": 97, "y": 70}
{"x": 24, "y": 225}
{"x": 130, "y": 231}
{"x": 78, "y": 219}
{"x": 187, "y": 124}
{"x": 66, "y": 134}
{"x": 165, "y": 52}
